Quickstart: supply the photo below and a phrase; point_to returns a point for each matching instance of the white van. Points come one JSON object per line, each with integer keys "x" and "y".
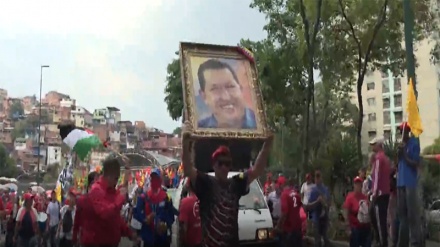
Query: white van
{"x": 254, "y": 219}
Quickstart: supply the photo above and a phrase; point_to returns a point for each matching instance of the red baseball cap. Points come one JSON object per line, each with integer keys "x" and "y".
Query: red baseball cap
{"x": 358, "y": 179}
{"x": 222, "y": 150}
{"x": 404, "y": 125}
{"x": 27, "y": 196}
{"x": 308, "y": 176}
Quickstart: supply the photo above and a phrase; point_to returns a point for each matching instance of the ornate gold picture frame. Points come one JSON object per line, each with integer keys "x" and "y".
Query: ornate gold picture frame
{"x": 221, "y": 92}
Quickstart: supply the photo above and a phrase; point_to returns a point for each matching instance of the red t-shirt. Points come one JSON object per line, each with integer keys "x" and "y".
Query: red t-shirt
{"x": 189, "y": 213}
{"x": 352, "y": 202}
{"x": 291, "y": 206}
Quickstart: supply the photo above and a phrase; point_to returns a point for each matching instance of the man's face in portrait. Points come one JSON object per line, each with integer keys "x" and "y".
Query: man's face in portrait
{"x": 223, "y": 96}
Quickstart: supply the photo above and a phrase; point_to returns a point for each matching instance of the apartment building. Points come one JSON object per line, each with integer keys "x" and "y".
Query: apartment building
{"x": 384, "y": 100}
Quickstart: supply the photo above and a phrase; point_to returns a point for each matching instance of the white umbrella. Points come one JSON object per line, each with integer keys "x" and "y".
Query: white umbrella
{"x": 11, "y": 186}
{"x": 37, "y": 189}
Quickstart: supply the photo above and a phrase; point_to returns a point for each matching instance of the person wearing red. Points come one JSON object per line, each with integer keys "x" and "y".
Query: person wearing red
{"x": 281, "y": 179}
{"x": 11, "y": 210}
{"x": 79, "y": 215}
{"x": 189, "y": 220}
{"x": 2, "y": 209}
{"x": 290, "y": 223}
{"x": 101, "y": 223}
{"x": 26, "y": 229}
{"x": 380, "y": 192}
{"x": 267, "y": 184}
{"x": 356, "y": 213}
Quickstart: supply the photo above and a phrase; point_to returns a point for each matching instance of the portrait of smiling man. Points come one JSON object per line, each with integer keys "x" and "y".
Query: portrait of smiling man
{"x": 221, "y": 91}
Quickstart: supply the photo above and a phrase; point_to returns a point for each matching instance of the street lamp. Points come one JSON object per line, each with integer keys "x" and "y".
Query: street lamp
{"x": 39, "y": 124}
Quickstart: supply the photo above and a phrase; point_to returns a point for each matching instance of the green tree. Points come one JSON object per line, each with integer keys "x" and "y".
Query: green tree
{"x": 296, "y": 24}
{"x": 372, "y": 34}
{"x": 173, "y": 90}
{"x": 7, "y": 165}
{"x": 177, "y": 131}
{"x": 16, "y": 109}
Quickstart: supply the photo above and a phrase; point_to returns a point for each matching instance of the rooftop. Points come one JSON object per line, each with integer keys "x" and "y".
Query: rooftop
{"x": 112, "y": 108}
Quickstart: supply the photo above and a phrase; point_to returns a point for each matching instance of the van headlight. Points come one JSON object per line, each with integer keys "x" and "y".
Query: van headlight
{"x": 262, "y": 234}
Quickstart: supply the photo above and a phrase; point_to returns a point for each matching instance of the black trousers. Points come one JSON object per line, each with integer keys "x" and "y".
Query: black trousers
{"x": 379, "y": 213}
{"x": 65, "y": 242}
{"x": 291, "y": 239}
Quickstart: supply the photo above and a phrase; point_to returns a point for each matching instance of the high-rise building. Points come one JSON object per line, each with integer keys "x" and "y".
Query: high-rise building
{"x": 384, "y": 99}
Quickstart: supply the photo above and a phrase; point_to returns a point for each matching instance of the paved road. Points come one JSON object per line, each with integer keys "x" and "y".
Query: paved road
{"x": 345, "y": 244}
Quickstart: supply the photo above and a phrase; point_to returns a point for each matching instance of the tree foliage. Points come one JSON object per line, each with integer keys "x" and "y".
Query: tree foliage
{"x": 338, "y": 42}
{"x": 30, "y": 123}
{"x": 16, "y": 109}
{"x": 173, "y": 90}
{"x": 7, "y": 165}
{"x": 372, "y": 33}
{"x": 177, "y": 131}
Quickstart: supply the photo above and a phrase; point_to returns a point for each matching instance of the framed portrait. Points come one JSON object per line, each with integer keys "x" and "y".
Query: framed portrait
{"x": 221, "y": 92}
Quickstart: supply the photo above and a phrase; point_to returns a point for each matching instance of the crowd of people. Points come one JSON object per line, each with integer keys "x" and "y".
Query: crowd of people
{"x": 382, "y": 208}
{"x": 382, "y": 205}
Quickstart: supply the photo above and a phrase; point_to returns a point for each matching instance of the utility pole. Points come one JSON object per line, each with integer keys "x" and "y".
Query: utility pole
{"x": 39, "y": 125}
{"x": 408, "y": 14}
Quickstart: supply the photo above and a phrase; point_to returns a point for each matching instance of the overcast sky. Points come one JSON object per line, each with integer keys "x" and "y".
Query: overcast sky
{"x": 112, "y": 53}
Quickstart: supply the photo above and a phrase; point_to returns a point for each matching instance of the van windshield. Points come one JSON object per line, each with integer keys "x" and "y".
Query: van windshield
{"x": 254, "y": 199}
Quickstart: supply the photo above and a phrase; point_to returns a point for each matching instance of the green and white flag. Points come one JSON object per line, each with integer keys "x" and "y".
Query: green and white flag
{"x": 82, "y": 142}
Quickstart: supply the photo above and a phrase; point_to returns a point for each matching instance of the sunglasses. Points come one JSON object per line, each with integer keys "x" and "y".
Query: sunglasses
{"x": 226, "y": 163}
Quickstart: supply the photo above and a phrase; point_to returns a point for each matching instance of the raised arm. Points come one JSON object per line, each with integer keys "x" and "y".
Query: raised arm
{"x": 188, "y": 167}
{"x": 261, "y": 162}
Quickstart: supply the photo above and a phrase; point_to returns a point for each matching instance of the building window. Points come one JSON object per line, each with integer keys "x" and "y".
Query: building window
{"x": 398, "y": 136}
{"x": 397, "y": 84}
{"x": 386, "y": 117}
{"x": 398, "y": 116}
{"x": 371, "y": 117}
{"x": 398, "y": 100}
{"x": 386, "y": 134}
{"x": 371, "y": 101}
{"x": 384, "y": 74}
{"x": 372, "y": 134}
{"x": 386, "y": 103}
{"x": 370, "y": 86}
{"x": 385, "y": 86}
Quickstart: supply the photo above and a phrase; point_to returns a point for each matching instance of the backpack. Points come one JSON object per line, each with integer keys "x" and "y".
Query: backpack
{"x": 363, "y": 215}
{"x": 67, "y": 221}
{"x": 27, "y": 226}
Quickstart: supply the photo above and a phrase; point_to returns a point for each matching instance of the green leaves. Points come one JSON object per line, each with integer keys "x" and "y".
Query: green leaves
{"x": 7, "y": 165}
{"x": 353, "y": 37}
{"x": 173, "y": 90}
{"x": 16, "y": 109}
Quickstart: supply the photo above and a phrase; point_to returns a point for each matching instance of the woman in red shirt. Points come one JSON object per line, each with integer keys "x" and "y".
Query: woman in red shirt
{"x": 357, "y": 217}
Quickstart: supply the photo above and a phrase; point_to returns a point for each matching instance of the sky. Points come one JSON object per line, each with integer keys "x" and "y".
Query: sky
{"x": 112, "y": 53}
